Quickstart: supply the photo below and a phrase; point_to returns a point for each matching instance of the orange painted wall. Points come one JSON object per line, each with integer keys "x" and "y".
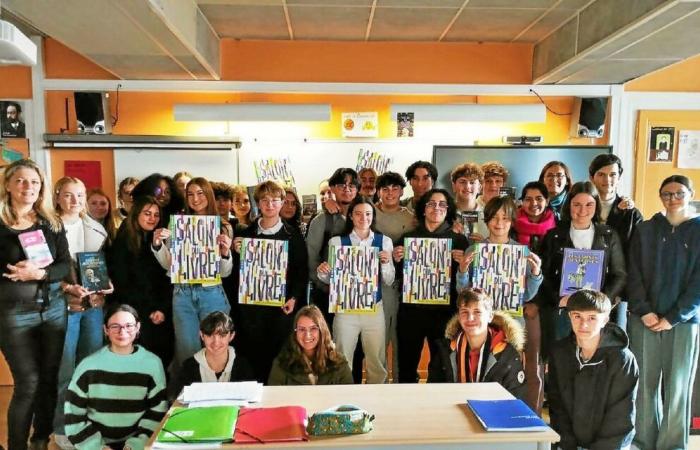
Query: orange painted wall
{"x": 649, "y": 175}
{"x": 376, "y": 62}
{"x": 15, "y": 82}
{"x": 680, "y": 77}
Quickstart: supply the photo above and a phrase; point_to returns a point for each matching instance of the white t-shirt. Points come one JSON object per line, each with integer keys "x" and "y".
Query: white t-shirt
{"x": 582, "y": 239}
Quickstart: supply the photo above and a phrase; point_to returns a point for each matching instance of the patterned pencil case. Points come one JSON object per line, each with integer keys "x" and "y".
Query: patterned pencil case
{"x": 344, "y": 419}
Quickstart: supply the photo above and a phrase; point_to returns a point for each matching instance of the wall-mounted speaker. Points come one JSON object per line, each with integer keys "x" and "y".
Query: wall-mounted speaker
{"x": 92, "y": 111}
{"x": 588, "y": 117}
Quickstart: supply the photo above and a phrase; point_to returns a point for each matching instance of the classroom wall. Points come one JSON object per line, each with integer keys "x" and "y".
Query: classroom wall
{"x": 679, "y": 77}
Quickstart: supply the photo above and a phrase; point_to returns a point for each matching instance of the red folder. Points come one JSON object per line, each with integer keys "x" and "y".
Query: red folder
{"x": 262, "y": 425}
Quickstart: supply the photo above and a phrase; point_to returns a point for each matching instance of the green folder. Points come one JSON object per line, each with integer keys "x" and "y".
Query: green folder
{"x": 203, "y": 424}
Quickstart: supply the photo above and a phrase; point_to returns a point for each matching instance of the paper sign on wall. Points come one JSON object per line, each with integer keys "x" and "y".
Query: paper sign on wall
{"x": 367, "y": 158}
{"x": 427, "y": 271}
{"x": 689, "y": 149}
{"x": 263, "y": 273}
{"x": 274, "y": 169}
{"x": 195, "y": 253}
{"x": 360, "y": 124}
{"x": 499, "y": 269}
{"x": 354, "y": 280}
{"x": 89, "y": 172}
{"x": 661, "y": 144}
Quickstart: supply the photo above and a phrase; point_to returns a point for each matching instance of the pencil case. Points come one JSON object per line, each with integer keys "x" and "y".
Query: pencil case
{"x": 344, "y": 419}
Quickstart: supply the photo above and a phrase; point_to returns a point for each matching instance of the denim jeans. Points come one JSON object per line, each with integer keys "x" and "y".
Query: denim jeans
{"x": 84, "y": 336}
{"x": 191, "y": 304}
{"x": 32, "y": 341}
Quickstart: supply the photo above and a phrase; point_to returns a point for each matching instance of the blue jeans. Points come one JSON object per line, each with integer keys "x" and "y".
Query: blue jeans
{"x": 31, "y": 338}
{"x": 84, "y": 336}
{"x": 191, "y": 304}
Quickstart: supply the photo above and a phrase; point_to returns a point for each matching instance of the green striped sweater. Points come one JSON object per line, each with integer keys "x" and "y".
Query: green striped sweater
{"x": 115, "y": 398}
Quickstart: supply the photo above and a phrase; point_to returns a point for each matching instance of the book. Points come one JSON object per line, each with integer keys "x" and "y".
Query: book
{"x": 506, "y": 415}
{"x": 581, "y": 269}
{"x": 309, "y": 206}
{"x": 93, "y": 271}
{"x": 499, "y": 269}
{"x": 36, "y": 248}
{"x": 507, "y": 191}
{"x": 469, "y": 220}
{"x": 195, "y": 425}
{"x": 280, "y": 424}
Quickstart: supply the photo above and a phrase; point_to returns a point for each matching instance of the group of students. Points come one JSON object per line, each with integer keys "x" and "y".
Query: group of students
{"x": 88, "y": 396}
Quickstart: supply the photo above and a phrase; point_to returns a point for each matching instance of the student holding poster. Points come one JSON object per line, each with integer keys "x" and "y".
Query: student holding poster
{"x": 363, "y": 317}
{"x": 263, "y": 328}
{"x": 578, "y": 229}
{"x": 436, "y": 213}
{"x": 466, "y": 184}
{"x": 193, "y": 300}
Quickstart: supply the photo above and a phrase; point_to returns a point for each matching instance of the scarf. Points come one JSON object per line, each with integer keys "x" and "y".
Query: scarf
{"x": 557, "y": 203}
{"x": 526, "y": 229}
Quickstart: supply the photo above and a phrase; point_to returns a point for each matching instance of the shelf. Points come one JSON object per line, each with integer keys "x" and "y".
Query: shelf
{"x": 144, "y": 142}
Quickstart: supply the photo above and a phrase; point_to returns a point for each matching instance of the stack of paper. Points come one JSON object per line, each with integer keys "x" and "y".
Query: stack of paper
{"x": 212, "y": 394}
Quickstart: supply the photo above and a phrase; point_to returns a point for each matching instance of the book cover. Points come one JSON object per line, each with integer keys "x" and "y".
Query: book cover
{"x": 469, "y": 220}
{"x": 195, "y": 425}
{"x": 354, "y": 279}
{"x": 499, "y": 269}
{"x": 262, "y": 425}
{"x": 581, "y": 269}
{"x": 195, "y": 253}
{"x": 427, "y": 271}
{"x": 36, "y": 248}
{"x": 309, "y": 205}
{"x": 506, "y": 415}
{"x": 507, "y": 191}
{"x": 93, "y": 271}
{"x": 263, "y": 272}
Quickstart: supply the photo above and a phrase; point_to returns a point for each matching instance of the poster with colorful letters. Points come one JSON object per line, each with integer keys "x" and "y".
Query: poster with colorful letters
{"x": 275, "y": 169}
{"x": 427, "y": 271}
{"x": 581, "y": 269}
{"x": 368, "y": 159}
{"x": 195, "y": 253}
{"x": 263, "y": 273}
{"x": 354, "y": 279}
{"x": 499, "y": 269}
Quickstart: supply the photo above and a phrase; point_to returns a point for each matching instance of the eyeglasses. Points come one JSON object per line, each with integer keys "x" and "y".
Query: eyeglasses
{"x": 436, "y": 205}
{"x": 347, "y": 186}
{"x": 304, "y": 330}
{"x": 270, "y": 201}
{"x": 117, "y": 328}
{"x": 680, "y": 195}
{"x": 552, "y": 176}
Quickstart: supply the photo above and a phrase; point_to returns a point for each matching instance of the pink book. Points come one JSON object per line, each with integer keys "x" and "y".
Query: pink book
{"x": 36, "y": 248}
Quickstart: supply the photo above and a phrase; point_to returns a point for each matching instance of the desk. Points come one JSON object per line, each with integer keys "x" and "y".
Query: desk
{"x": 409, "y": 416}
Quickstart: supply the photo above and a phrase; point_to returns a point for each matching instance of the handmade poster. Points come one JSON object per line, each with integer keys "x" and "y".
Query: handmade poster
{"x": 274, "y": 169}
{"x": 427, "y": 271}
{"x": 404, "y": 124}
{"x": 373, "y": 160}
{"x": 13, "y": 150}
{"x": 499, "y": 269}
{"x": 195, "y": 253}
{"x": 581, "y": 269}
{"x": 689, "y": 149}
{"x": 360, "y": 124}
{"x": 354, "y": 279}
{"x": 263, "y": 273}
{"x": 661, "y": 144}
{"x": 93, "y": 271}
{"x": 11, "y": 120}
{"x": 90, "y": 172}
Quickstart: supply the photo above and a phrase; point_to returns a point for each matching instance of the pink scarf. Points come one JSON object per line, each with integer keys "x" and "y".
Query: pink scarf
{"x": 527, "y": 229}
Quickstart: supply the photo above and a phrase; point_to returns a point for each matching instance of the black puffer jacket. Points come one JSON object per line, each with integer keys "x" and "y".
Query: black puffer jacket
{"x": 591, "y": 404}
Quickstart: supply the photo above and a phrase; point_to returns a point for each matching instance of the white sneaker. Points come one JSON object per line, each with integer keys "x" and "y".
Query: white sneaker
{"x": 62, "y": 441}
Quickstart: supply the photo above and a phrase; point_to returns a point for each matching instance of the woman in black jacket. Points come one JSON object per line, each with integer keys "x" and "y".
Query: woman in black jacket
{"x": 139, "y": 280}
{"x": 263, "y": 329}
{"x": 578, "y": 229}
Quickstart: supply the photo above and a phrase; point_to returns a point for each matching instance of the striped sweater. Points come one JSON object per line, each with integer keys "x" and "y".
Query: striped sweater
{"x": 115, "y": 398}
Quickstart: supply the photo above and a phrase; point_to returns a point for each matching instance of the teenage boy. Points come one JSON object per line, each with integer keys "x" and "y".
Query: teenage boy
{"x": 593, "y": 379}
{"x": 467, "y": 180}
{"x": 495, "y": 177}
{"x": 483, "y": 345}
{"x": 421, "y": 175}
{"x": 393, "y": 220}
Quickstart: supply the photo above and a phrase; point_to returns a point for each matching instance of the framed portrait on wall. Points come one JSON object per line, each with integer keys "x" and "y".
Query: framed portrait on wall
{"x": 12, "y": 119}
{"x": 661, "y": 144}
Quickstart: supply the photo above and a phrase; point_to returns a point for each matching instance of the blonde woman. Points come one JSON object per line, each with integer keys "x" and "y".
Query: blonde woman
{"x": 32, "y": 306}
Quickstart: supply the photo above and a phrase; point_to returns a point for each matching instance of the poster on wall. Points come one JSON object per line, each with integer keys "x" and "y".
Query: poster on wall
{"x": 661, "y": 144}
{"x": 89, "y": 172}
{"x": 275, "y": 169}
{"x": 360, "y": 124}
{"x": 367, "y": 158}
{"x": 13, "y": 150}
{"x": 404, "y": 124}
{"x": 689, "y": 149}
{"x": 12, "y": 120}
